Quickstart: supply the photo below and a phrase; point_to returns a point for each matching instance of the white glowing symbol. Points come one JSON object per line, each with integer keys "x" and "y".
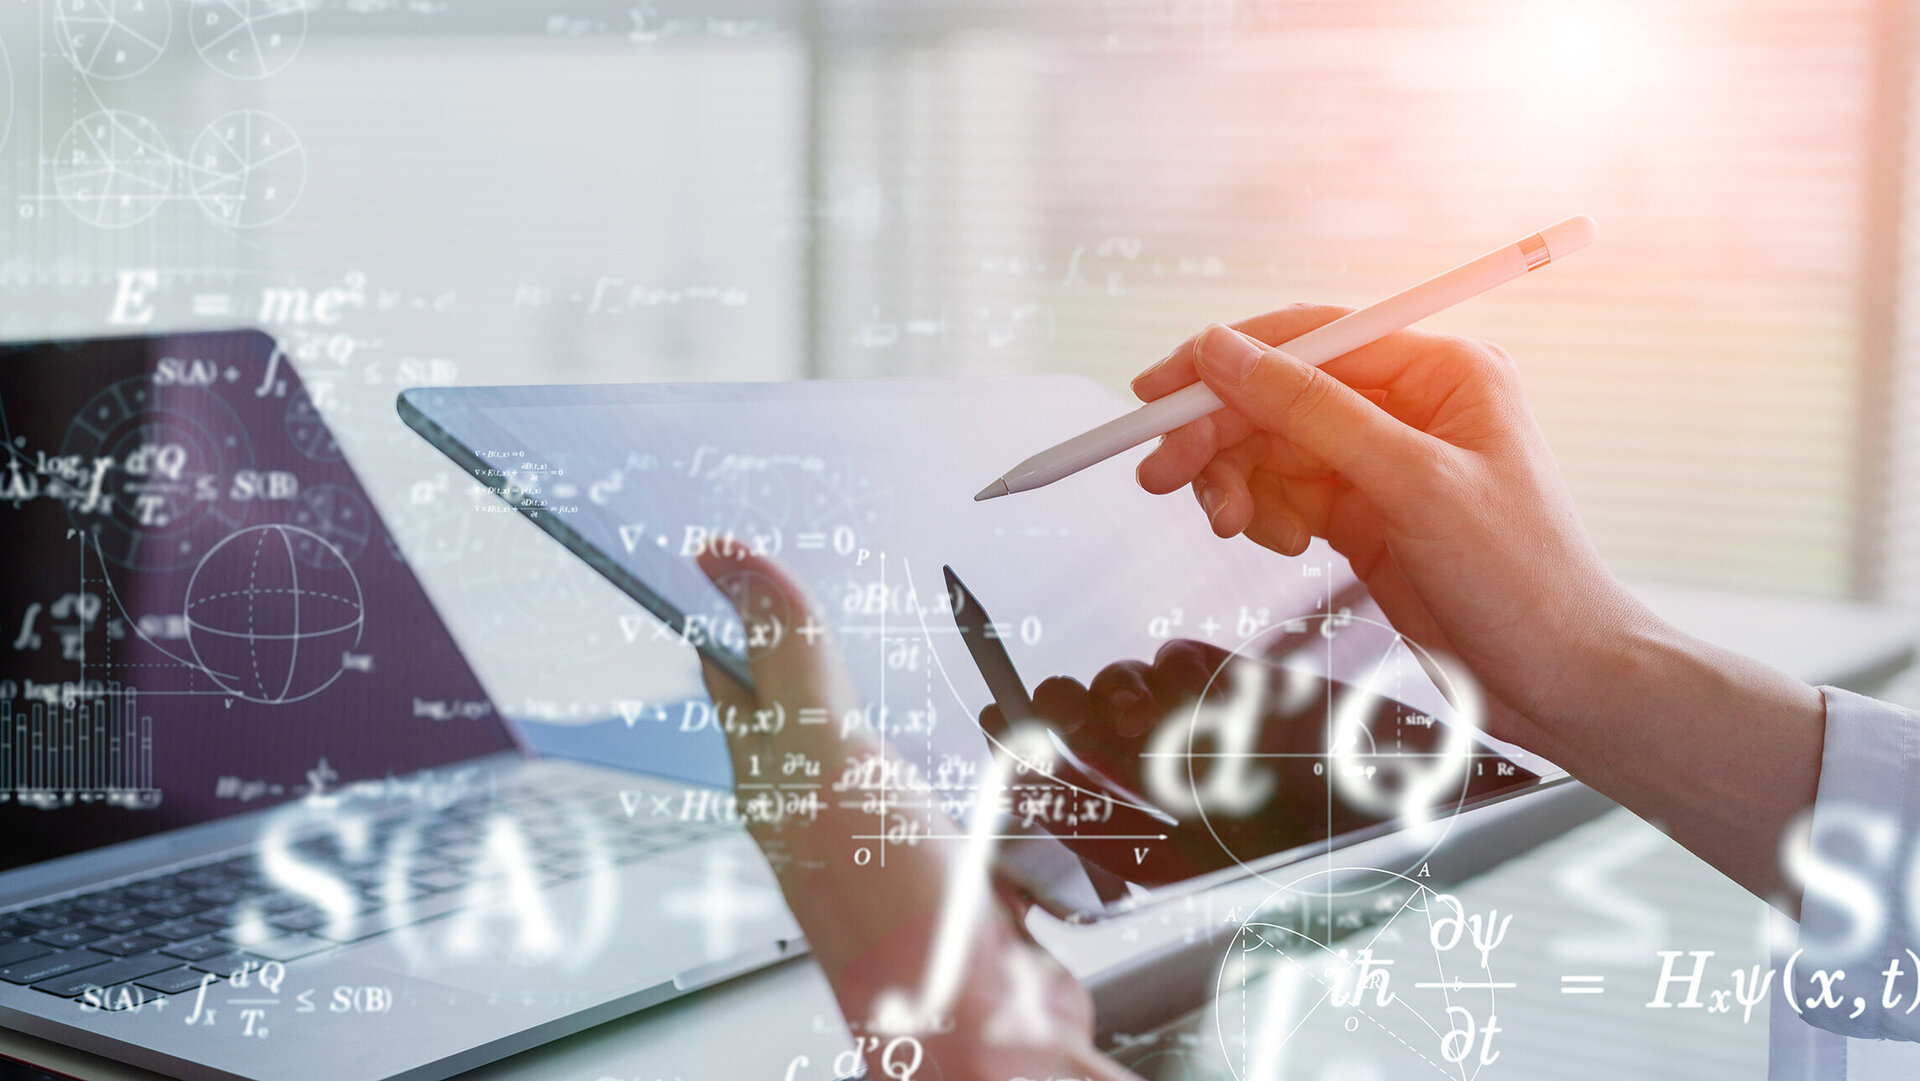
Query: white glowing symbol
{"x": 504, "y": 873}
{"x": 1419, "y": 789}
{"x": 720, "y": 904}
{"x": 1229, "y": 725}
{"x": 1028, "y": 746}
{"x": 504, "y": 887}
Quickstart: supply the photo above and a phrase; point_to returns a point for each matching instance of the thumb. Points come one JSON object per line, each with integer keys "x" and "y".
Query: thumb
{"x": 1316, "y": 412}
{"x": 787, "y": 667}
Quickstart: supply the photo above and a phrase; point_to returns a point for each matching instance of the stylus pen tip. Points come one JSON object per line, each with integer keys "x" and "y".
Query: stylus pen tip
{"x": 993, "y": 491}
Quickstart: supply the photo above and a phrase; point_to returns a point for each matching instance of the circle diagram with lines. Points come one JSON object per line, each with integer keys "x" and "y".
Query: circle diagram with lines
{"x": 161, "y": 441}
{"x": 112, "y": 39}
{"x": 248, "y": 39}
{"x": 1364, "y": 967}
{"x": 271, "y": 613}
{"x": 1309, "y": 730}
{"x": 247, "y": 168}
{"x": 307, "y": 429}
{"x": 335, "y": 513}
{"x": 113, "y": 169}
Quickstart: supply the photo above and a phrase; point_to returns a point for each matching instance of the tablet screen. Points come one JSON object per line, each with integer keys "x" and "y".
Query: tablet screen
{"x": 865, "y": 490}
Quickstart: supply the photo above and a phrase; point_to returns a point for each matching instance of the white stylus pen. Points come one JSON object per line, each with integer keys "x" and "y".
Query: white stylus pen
{"x": 1316, "y": 347}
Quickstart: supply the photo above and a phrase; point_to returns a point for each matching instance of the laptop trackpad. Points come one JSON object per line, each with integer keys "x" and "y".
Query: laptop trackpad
{"x": 638, "y": 926}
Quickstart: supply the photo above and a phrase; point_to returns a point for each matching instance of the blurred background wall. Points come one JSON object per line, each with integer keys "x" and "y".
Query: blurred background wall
{"x": 501, "y": 191}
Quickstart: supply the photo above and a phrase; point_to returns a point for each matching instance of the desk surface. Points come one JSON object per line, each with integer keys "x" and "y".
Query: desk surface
{"x": 1639, "y": 889}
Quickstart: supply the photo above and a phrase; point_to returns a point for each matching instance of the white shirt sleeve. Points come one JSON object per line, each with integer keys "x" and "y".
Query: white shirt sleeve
{"x": 1855, "y": 968}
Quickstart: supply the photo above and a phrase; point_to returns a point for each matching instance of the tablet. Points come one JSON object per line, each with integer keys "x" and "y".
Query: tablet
{"x": 864, "y": 489}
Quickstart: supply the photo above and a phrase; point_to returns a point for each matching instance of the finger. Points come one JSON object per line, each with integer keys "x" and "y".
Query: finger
{"x": 1177, "y": 463}
{"x": 1123, "y": 694}
{"x": 1176, "y": 370}
{"x": 1380, "y": 363}
{"x": 1119, "y": 686}
{"x": 1390, "y": 461}
{"x": 1276, "y": 523}
{"x": 795, "y": 670}
{"x": 1222, "y": 491}
{"x": 1063, "y": 701}
{"x": 1183, "y": 452}
{"x": 1180, "y": 457}
{"x": 1182, "y": 669}
{"x": 993, "y": 722}
{"x": 1385, "y": 362}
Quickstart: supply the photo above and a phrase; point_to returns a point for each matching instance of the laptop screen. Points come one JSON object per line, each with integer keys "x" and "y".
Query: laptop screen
{"x": 200, "y": 614}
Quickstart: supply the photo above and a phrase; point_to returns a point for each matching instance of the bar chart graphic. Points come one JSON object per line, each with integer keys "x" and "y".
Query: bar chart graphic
{"x": 78, "y": 749}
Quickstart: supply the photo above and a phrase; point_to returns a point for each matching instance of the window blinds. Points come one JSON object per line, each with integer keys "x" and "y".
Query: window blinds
{"x": 1076, "y": 187}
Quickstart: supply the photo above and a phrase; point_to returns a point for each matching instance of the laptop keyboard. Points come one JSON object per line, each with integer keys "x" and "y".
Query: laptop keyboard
{"x": 169, "y": 932}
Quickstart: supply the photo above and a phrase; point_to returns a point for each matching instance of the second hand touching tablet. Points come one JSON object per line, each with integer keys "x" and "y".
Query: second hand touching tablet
{"x": 1316, "y": 347}
{"x": 1010, "y": 694}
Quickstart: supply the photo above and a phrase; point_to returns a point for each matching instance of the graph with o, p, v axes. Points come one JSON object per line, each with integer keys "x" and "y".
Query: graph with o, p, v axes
{"x": 114, "y": 167}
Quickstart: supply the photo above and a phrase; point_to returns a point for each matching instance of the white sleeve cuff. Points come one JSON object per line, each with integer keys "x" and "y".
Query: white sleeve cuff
{"x": 1856, "y": 970}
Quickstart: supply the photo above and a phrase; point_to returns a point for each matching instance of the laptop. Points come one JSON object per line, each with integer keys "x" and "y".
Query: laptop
{"x": 258, "y": 817}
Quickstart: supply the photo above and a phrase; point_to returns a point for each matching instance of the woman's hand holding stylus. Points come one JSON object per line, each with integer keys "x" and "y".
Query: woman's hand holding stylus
{"x": 1417, "y": 458}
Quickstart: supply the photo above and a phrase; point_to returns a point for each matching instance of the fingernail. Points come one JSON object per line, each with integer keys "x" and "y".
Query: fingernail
{"x": 1211, "y": 500}
{"x": 1298, "y": 537}
{"x": 1151, "y": 369}
{"x": 1227, "y": 355}
{"x": 1123, "y": 700}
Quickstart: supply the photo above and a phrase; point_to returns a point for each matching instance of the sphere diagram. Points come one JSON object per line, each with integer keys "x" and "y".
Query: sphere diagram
{"x": 271, "y": 612}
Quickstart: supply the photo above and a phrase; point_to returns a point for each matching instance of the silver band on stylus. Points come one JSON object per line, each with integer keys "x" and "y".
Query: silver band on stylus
{"x": 1534, "y": 250}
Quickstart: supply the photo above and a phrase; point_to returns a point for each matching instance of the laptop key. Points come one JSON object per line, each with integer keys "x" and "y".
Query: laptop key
{"x": 180, "y": 930}
{"x": 157, "y": 890}
{"x": 53, "y": 964}
{"x": 125, "y": 922}
{"x": 275, "y": 903}
{"x": 201, "y": 877}
{"x": 46, "y": 917}
{"x": 15, "y": 952}
{"x": 174, "y": 981}
{"x": 198, "y": 950}
{"x": 102, "y": 904}
{"x": 363, "y": 924}
{"x": 178, "y": 908}
{"x": 128, "y": 945}
{"x": 132, "y": 968}
{"x": 220, "y": 895}
{"x": 225, "y": 964}
{"x": 378, "y": 921}
{"x": 66, "y": 938}
{"x": 303, "y": 919}
{"x": 287, "y": 947}
{"x": 442, "y": 879}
